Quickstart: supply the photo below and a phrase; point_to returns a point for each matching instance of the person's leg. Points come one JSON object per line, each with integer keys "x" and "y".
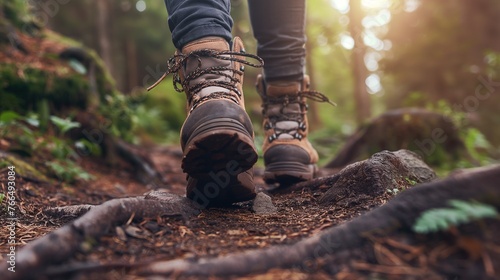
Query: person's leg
{"x": 190, "y": 20}
{"x": 279, "y": 27}
{"x": 217, "y": 135}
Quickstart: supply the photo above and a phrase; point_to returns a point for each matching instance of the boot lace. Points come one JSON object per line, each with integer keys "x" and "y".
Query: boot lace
{"x": 298, "y": 117}
{"x": 176, "y": 62}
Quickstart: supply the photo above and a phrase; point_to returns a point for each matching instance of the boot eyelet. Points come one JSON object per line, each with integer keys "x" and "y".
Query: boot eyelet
{"x": 272, "y": 138}
{"x": 242, "y": 68}
{"x": 298, "y": 136}
{"x": 302, "y": 126}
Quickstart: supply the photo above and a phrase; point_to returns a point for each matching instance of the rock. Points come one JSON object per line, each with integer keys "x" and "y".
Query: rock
{"x": 263, "y": 204}
{"x": 136, "y": 232}
{"x": 383, "y": 172}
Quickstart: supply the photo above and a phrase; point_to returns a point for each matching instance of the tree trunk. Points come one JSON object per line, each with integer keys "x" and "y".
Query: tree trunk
{"x": 362, "y": 99}
{"x": 313, "y": 107}
{"x": 132, "y": 75}
{"x": 103, "y": 34}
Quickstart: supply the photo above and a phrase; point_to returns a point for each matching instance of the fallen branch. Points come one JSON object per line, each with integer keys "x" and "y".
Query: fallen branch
{"x": 398, "y": 214}
{"x": 61, "y": 244}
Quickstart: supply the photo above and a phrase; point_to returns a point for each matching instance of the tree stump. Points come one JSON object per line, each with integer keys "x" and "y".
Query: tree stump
{"x": 431, "y": 135}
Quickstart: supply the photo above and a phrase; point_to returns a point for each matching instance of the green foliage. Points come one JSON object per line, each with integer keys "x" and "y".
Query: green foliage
{"x": 12, "y": 126}
{"x": 32, "y": 119}
{"x": 16, "y": 12}
{"x": 56, "y": 152}
{"x": 461, "y": 212}
{"x": 63, "y": 125}
{"x": 329, "y": 65}
{"x": 23, "y": 168}
{"x": 146, "y": 32}
{"x": 477, "y": 145}
{"x": 8, "y": 117}
{"x": 411, "y": 181}
{"x": 119, "y": 110}
{"x": 60, "y": 148}
{"x": 2, "y": 207}
{"x": 68, "y": 171}
{"x": 88, "y": 147}
{"x": 26, "y": 139}
{"x": 22, "y": 88}
{"x": 161, "y": 114}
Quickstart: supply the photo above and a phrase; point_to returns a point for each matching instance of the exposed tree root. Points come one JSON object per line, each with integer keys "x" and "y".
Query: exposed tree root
{"x": 72, "y": 211}
{"x": 59, "y": 245}
{"x": 397, "y": 215}
{"x": 144, "y": 167}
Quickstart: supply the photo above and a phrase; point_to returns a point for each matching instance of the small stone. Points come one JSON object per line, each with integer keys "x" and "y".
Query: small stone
{"x": 136, "y": 232}
{"x": 152, "y": 226}
{"x": 121, "y": 234}
{"x": 263, "y": 204}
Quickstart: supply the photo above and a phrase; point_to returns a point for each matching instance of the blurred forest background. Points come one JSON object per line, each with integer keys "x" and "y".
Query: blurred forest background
{"x": 369, "y": 56}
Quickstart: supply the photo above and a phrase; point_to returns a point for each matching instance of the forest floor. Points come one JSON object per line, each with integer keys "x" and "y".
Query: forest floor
{"x": 214, "y": 232}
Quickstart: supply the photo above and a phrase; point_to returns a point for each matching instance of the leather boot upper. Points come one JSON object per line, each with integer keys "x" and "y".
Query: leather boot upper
{"x": 285, "y": 120}
{"x": 211, "y": 72}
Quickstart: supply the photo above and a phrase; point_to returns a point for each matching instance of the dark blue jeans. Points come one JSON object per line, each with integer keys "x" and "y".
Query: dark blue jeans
{"x": 278, "y": 26}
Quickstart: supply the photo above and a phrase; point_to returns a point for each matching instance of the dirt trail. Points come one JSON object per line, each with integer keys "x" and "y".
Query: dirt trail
{"x": 214, "y": 232}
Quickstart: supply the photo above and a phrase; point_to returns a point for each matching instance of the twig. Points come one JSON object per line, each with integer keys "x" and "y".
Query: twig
{"x": 389, "y": 269}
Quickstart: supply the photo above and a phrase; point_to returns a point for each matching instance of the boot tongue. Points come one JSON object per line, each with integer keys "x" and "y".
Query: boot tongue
{"x": 278, "y": 89}
{"x": 212, "y": 43}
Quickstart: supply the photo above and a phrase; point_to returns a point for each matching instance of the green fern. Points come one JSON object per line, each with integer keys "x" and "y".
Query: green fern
{"x": 63, "y": 124}
{"x": 460, "y": 212}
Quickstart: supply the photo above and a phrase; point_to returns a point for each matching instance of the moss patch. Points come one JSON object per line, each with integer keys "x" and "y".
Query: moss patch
{"x": 22, "y": 168}
{"x": 22, "y": 88}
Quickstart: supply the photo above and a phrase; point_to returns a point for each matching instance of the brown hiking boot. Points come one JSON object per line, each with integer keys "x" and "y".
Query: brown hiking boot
{"x": 288, "y": 155}
{"x": 217, "y": 136}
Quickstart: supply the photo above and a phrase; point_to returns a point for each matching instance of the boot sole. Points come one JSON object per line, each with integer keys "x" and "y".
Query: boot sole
{"x": 288, "y": 173}
{"x": 220, "y": 145}
{"x": 221, "y": 190}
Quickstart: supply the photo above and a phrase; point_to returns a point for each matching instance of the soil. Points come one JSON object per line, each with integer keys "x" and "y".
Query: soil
{"x": 214, "y": 232}
{"x": 220, "y": 231}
